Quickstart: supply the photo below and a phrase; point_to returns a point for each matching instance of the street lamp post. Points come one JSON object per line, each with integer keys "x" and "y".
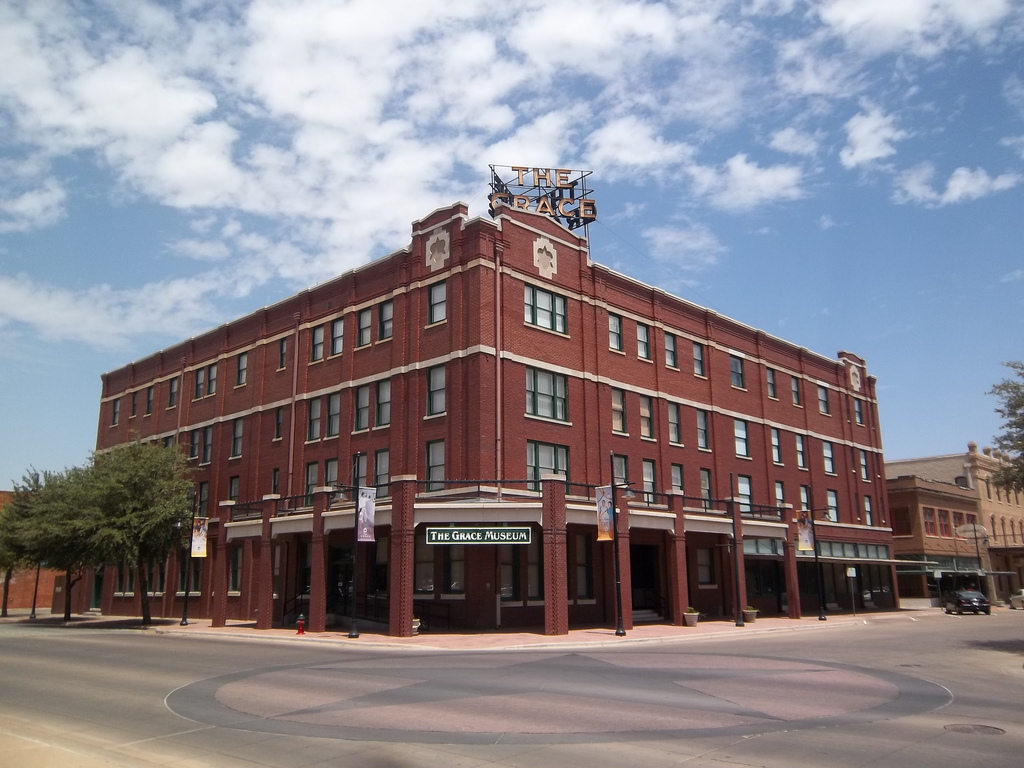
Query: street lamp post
{"x": 620, "y": 628}
{"x": 353, "y": 631}
{"x": 188, "y": 563}
{"x": 817, "y": 565}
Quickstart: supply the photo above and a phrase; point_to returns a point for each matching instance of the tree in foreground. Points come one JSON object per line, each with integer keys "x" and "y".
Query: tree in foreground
{"x": 12, "y": 554}
{"x": 141, "y": 492}
{"x": 58, "y": 524}
{"x": 1011, "y": 407}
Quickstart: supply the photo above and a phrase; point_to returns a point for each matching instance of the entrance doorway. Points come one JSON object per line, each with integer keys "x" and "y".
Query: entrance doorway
{"x": 645, "y": 576}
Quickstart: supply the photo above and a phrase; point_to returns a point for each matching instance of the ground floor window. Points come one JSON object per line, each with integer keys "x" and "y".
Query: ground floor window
{"x": 508, "y": 558}
{"x": 197, "y": 573}
{"x": 706, "y": 566}
{"x": 423, "y": 571}
{"x": 584, "y": 562}
{"x": 455, "y": 569}
{"x": 235, "y": 570}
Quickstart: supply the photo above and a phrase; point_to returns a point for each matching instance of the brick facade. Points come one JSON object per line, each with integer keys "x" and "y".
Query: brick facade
{"x": 516, "y": 385}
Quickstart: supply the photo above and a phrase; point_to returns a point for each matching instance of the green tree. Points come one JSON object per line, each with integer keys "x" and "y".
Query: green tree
{"x": 57, "y": 523}
{"x": 1011, "y": 407}
{"x": 12, "y": 555}
{"x": 141, "y": 491}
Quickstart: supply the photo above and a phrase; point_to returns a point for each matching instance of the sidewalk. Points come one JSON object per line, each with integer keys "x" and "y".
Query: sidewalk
{"x": 374, "y": 635}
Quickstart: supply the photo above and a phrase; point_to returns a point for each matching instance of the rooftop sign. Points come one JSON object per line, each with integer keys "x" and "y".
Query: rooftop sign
{"x": 559, "y": 193}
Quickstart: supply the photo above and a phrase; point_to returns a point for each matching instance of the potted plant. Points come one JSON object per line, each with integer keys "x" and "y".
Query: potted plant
{"x": 749, "y": 613}
{"x": 690, "y": 617}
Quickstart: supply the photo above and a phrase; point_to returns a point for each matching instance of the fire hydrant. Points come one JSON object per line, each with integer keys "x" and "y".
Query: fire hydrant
{"x": 302, "y": 625}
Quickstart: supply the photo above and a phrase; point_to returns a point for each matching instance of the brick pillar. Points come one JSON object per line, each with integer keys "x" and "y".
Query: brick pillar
{"x": 678, "y": 589}
{"x": 265, "y": 575}
{"x": 318, "y": 566}
{"x": 219, "y": 609}
{"x": 556, "y": 605}
{"x": 625, "y": 574}
{"x": 402, "y": 555}
{"x": 739, "y": 590}
{"x": 793, "y": 607}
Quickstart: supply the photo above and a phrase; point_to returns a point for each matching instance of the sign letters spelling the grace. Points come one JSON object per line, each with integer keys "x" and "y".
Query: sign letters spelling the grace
{"x": 559, "y": 193}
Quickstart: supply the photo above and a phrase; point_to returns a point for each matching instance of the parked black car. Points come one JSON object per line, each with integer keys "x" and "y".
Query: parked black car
{"x": 967, "y": 600}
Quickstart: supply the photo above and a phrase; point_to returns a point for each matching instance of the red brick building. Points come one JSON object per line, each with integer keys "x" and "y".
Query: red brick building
{"x": 455, "y": 376}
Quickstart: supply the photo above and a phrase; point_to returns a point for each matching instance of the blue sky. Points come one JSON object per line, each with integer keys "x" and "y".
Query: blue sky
{"x": 846, "y": 174}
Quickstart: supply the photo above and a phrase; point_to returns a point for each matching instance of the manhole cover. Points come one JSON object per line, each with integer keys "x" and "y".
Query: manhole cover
{"x": 981, "y": 730}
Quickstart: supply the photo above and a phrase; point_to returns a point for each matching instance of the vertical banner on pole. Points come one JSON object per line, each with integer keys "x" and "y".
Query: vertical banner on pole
{"x": 604, "y": 513}
{"x": 804, "y": 533}
{"x": 367, "y": 506}
{"x": 199, "y": 527}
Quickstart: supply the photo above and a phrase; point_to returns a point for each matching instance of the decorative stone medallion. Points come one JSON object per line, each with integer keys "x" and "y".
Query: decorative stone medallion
{"x": 855, "y": 378}
{"x": 545, "y": 257}
{"x": 438, "y": 247}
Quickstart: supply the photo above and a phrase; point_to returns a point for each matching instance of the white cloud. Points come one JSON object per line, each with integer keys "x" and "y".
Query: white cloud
{"x": 693, "y": 248}
{"x": 201, "y": 250}
{"x": 1016, "y": 143}
{"x": 921, "y": 27}
{"x": 826, "y": 222}
{"x": 869, "y": 136}
{"x": 743, "y": 185}
{"x": 915, "y": 185}
{"x": 795, "y": 142}
{"x": 32, "y": 209}
{"x": 627, "y": 145}
{"x": 1012, "y": 277}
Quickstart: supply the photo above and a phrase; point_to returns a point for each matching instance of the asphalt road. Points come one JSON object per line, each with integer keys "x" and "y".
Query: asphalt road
{"x": 922, "y": 690}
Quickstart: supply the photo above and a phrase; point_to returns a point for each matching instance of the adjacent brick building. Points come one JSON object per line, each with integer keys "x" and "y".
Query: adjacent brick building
{"x": 934, "y": 496}
{"x": 491, "y": 374}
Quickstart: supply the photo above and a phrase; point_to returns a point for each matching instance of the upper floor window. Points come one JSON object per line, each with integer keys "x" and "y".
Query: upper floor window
{"x": 135, "y": 403}
{"x": 643, "y": 341}
{"x": 234, "y": 484}
{"x": 544, "y": 309}
{"x": 743, "y": 492}
{"x": 333, "y": 414}
{"x": 172, "y": 393}
{"x": 832, "y": 502}
{"x": 677, "y": 477}
{"x": 362, "y": 408}
{"x": 316, "y": 345}
{"x": 740, "y": 433}
{"x": 312, "y": 480}
{"x": 801, "y": 455}
{"x": 282, "y": 354}
{"x": 869, "y": 518}
{"x": 278, "y": 422}
{"x": 703, "y": 439}
{"x": 149, "y": 399}
{"x": 382, "y": 471}
{"x": 646, "y": 416}
{"x": 435, "y": 390}
{"x": 705, "y": 487}
{"x": 241, "y": 368}
{"x": 211, "y": 379}
{"x": 858, "y": 410}
{"x": 337, "y": 335}
{"x": 618, "y": 410}
{"x": 864, "y": 474}
{"x": 675, "y": 431}
{"x": 545, "y": 458}
{"x": 313, "y": 423}
{"x": 736, "y": 370}
{"x": 386, "y": 320}
{"x": 823, "y": 404}
{"x": 650, "y": 488}
{"x": 670, "y": 351}
{"x": 363, "y": 328}
{"x": 770, "y": 376}
{"x": 776, "y": 446}
{"x": 383, "y": 403}
{"x": 200, "y": 383}
{"x": 698, "y": 359}
{"x": 435, "y": 465}
{"x": 620, "y": 469}
{"x": 830, "y": 464}
{"x": 546, "y": 394}
{"x": 780, "y": 493}
{"x": 615, "y": 332}
{"x": 236, "y": 437}
{"x": 115, "y": 411}
{"x": 438, "y": 298}
{"x": 207, "y": 445}
{"x": 795, "y": 387}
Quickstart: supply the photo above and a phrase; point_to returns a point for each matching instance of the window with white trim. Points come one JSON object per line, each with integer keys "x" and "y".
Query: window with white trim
{"x": 435, "y": 390}
{"x": 643, "y": 341}
{"x": 739, "y": 428}
{"x": 675, "y": 430}
{"x": 618, "y": 410}
{"x": 826, "y": 452}
{"x": 362, "y": 408}
{"x": 703, "y": 439}
{"x": 776, "y": 446}
{"x": 437, "y": 297}
{"x": 544, "y": 309}
{"x": 614, "y": 332}
{"x": 646, "y": 416}
{"x": 435, "y": 465}
{"x": 383, "y": 416}
{"x": 547, "y": 394}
